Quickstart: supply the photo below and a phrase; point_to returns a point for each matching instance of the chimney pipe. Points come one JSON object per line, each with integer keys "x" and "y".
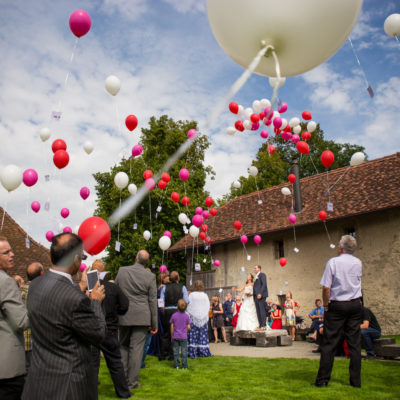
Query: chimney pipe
{"x": 296, "y": 186}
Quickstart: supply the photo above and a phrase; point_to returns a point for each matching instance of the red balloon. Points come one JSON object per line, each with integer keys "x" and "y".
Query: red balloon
{"x": 254, "y": 118}
{"x": 165, "y": 177}
{"x": 327, "y": 158}
{"x": 233, "y": 107}
{"x": 204, "y": 227}
{"x": 162, "y": 184}
{"x": 208, "y": 239}
{"x": 282, "y": 261}
{"x": 185, "y": 201}
{"x": 209, "y": 201}
{"x": 322, "y": 215}
{"x": 302, "y": 147}
{"x": 58, "y": 144}
{"x": 292, "y": 178}
{"x": 61, "y": 159}
{"x": 131, "y": 122}
{"x": 175, "y": 197}
{"x": 96, "y": 235}
{"x": 239, "y": 125}
{"x": 277, "y": 131}
{"x": 306, "y": 115}
{"x": 237, "y": 225}
{"x": 288, "y": 128}
{"x": 271, "y": 149}
{"x": 202, "y": 235}
{"x": 262, "y": 115}
{"x": 213, "y": 211}
{"x": 306, "y": 135}
{"x": 147, "y": 174}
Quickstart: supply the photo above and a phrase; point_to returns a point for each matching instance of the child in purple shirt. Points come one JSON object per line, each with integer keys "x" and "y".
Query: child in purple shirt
{"x": 180, "y": 325}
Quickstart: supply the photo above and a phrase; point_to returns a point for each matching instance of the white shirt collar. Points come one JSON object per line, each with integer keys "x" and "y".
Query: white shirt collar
{"x": 68, "y": 276}
{"x": 258, "y": 273}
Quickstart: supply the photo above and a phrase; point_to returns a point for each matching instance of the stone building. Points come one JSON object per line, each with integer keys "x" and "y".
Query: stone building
{"x": 364, "y": 202}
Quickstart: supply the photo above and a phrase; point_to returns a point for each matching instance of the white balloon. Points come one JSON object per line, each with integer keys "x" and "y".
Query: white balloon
{"x": 357, "y": 158}
{"x": 113, "y": 84}
{"x": 247, "y": 124}
{"x": 257, "y": 107}
{"x": 164, "y": 243}
{"x": 188, "y": 220}
{"x": 304, "y": 33}
{"x": 60, "y": 227}
{"x": 240, "y": 111}
{"x": 297, "y": 129}
{"x": 286, "y": 191}
{"x": 276, "y": 114}
{"x": 88, "y": 146}
{"x": 230, "y": 130}
{"x": 182, "y": 217}
{"x": 253, "y": 171}
{"x": 284, "y": 123}
{"x": 44, "y": 134}
{"x": 76, "y": 229}
{"x": 265, "y": 103}
{"x": 311, "y": 126}
{"x": 392, "y": 25}
{"x": 121, "y": 180}
{"x": 194, "y": 231}
{"x": 294, "y": 122}
{"x": 132, "y": 189}
{"x": 273, "y": 81}
{"x": 236, "y": 185}
{"x": 247, "y": 112}
{"x": 11, "y": 177}
{"x": 147, "y": 235}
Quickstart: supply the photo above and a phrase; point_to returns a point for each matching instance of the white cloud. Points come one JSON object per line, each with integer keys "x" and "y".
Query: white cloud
{"x": 185, "y": 6}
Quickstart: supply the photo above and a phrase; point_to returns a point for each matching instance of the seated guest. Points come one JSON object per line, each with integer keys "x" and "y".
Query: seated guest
{"x": 276, "y": 316}
{"x": 370, "y": 330}
{"x": 317, "y": 317}
{"x": 228, "y": 309}
{"x": 236, "y": 310}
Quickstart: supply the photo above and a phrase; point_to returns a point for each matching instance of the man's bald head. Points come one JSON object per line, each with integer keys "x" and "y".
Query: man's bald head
{"x": 142, "y": 257}
{"x": 98, "y": 265}
{"x": 34, "y": 270}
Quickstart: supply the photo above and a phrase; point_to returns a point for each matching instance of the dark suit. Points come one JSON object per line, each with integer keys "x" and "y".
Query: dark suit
{"x": 64, "y": 324}
{"x": 260, "y": 287}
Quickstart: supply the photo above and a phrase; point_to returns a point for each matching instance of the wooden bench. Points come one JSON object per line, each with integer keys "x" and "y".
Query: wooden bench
{"x": 386, "y": 348}
{"x": 261, "y": 338}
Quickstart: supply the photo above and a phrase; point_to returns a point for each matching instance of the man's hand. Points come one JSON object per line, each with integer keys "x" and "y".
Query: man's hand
{"x": 226, "y": 319}
{"x": 97, "y": 292}
{"x": 259, "y": 296}
{"x": 153, "y": 331}
{"x": 83, "y": 282}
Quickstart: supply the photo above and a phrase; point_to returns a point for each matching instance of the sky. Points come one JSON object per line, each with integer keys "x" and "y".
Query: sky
{"x": 168, "y": 61}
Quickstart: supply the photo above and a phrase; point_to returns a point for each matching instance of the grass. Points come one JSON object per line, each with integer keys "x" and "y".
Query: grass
{"x": 241, "y": 378}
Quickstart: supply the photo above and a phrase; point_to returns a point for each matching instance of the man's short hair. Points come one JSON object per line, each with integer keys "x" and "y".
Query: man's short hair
{"x": 63, "y": 252}
{"x": 34, "y": 270}
{"x": 317, "y": 300}
{"x": 258, "y": 266}
{"x": 348, "y": 243}
{"x": 174, "y": 277}
{"x": 182, "y": 305}
{"x": 142, "y": 257}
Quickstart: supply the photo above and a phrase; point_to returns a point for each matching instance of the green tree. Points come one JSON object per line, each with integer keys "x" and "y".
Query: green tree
{"x": 273, "y": 169}
{"x": 160, "y": 140}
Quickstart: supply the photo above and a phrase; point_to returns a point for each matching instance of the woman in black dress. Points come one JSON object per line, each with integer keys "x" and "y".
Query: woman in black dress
{"x": 218, "y": 318}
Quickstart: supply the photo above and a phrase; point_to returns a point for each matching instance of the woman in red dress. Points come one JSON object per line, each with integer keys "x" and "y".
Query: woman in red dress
{"x": 276, "y": 316}
{"x": 236, "y": 309}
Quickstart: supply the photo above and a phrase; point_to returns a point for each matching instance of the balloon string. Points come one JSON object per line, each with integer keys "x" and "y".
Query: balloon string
{"x": 326, "y": 229}
{"x": 151, "y": 229}
{"x": 294, "y": 234}
{"x": 4, "y": 213}
{"x": 337, "y": 180}
{"x": 162, "y": 258}
{"x": 258, "y": 254}
{"x": 119, "y": 222}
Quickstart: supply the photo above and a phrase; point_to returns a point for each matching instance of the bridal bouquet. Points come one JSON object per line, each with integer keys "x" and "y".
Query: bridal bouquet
{"x": 248, "y": 290}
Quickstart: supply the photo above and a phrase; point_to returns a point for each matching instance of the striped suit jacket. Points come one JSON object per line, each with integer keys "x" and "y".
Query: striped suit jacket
{"x": 64, "y": 324}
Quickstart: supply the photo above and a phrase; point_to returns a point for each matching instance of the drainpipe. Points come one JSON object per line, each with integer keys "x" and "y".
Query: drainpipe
{"x": 296, "y": 186}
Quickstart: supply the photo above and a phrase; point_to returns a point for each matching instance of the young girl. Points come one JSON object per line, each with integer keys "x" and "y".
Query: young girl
{"x": 236, "y": 309}
{"x": 180, "y": 325}
{"x": 291, "y": 307}
{"x": 218, "y": 318}
{"x": 276, "y": 316}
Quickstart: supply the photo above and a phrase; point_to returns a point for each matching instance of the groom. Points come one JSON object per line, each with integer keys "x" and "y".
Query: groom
{"x": 260, "y": 293}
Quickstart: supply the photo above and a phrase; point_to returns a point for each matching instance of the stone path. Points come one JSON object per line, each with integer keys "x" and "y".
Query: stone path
{"x": 297, "y": 350}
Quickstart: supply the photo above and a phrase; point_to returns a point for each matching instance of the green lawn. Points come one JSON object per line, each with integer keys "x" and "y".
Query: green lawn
{"x": 241, "y": 378}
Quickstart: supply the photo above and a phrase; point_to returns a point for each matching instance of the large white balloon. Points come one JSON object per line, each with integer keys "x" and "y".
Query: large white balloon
{"x": 294, "y": 122}
{"x": 147, "y": 235}
{"x": 11, "y": 177}
{"x": 304, "y": 33}
{"x": 257, "y": 107}
{"x": 182, "y": 217}
{"x": 113, "y": 84}
{"x": 357, "y": 158}
{"x": 273, "y": 81}
{"x": 236, "y": 185}
{"x": 253, "y": 171}
{"x": 286, "y": 191}
{"x": 265, "y": 103}
{"x": 164, "y": 243}
{"x": 247, "y": 112}
{"x": 44, "y": 134}
{"x": 132, "y": 189}
{"x": 194, "y": 231}
{"x": 230, "y": 130}
{"x": 296, "y": 129}
{"x": 392, "y": 25}
{"x": 121, "y": 180}
{"x": 311, "y": 126}
{"x": 88, "y": 146}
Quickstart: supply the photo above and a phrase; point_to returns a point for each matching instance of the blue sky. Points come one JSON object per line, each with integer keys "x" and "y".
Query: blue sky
{"x": 169, "y": 63}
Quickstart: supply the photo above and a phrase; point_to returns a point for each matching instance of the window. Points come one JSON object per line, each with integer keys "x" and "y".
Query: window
{"x": 279, "y": 249}
{"x": 350, "y": 231}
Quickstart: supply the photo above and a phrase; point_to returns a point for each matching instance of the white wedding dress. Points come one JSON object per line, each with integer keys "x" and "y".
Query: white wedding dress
{"x": 247, "y": 320}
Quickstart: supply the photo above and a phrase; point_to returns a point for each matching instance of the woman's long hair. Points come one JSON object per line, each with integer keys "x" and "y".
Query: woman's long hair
{"x": 252, "y": 279}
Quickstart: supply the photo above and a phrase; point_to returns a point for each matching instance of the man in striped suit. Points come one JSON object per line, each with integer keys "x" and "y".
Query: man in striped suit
{"x": 64, "y": 323}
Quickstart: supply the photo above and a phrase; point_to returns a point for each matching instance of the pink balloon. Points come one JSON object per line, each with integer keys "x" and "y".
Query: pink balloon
{"x": 84, "y": 192}
{"x": 49, "y": 235}
{"x": 35, "y": 206}
{"x": 197, "y": 220}
{"x": 64, "y": 212}
{"x": 184, "y": 174}
{"x": 192, "y": 134}
{"x": 137, "y": 150}
{"x": 205, "y": 214}
{"x": 163, "y": 269}
{"x": 150, "y": 184}
{"x": 277, "y": 122}
{"x": 199, "y": 210}
{"x": 167, "y": 233}
{"x": 217, "y": 263}
{"x": 80, "y": 23}
{"x": 264, "y": 134}
{"x": 67, "y": 229}
{"x": 286, "y": 135}
{"x": 295, "y": 138}
{"x": 267, "y": 110}
{"x": 243, "y": 239}
{"x": 292, "y": 218}
{"x": 267, "y": 122}
{"x": 30, "y": 177}
{"x": 283, "y": 108}
{"x": 82, "y": 267}
{"x": 257, "y": 239}
{"x": 255, "y": 126}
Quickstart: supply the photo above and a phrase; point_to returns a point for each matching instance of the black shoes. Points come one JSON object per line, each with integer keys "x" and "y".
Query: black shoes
{"x": 317, "y": 350}
{"x": 319, "y": 384}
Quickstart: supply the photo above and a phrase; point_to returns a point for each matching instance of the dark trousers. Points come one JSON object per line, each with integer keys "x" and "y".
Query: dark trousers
{"x": 112, "y": 354}
{"x": 261, "y": 311}
{"x": 146, "y": 349}
{"x": 366, "y": 337}
{"x": 166, "y": 343}
{"x": 341, "y": 317}
{"x": 229, "y": 322}
{"x": 11, "y": 388}
{"x": 180, "y": 344}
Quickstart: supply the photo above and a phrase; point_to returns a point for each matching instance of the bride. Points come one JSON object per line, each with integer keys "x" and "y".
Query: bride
{"x": 247, "y": 320}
